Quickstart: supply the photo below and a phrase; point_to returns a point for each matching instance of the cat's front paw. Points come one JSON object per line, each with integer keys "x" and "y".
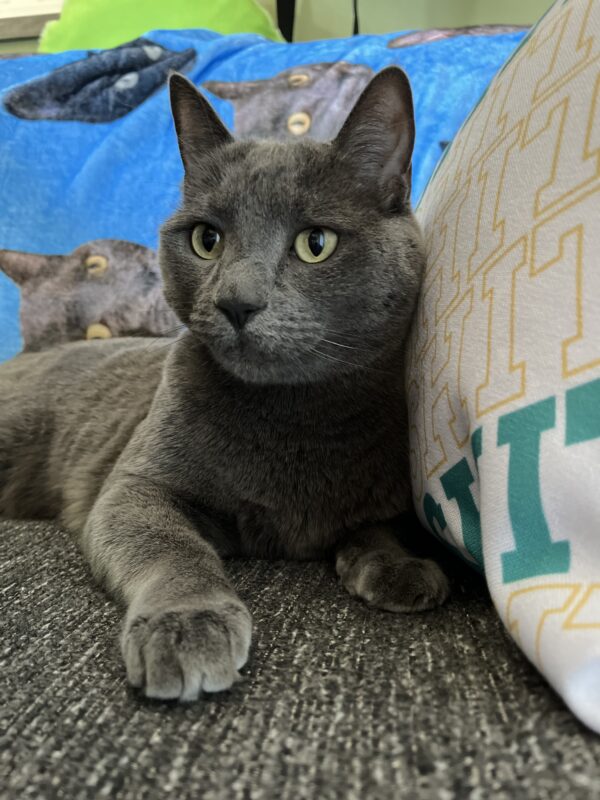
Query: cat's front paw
{"x": 394, "y": 582}
{"x": 178, "y": 652}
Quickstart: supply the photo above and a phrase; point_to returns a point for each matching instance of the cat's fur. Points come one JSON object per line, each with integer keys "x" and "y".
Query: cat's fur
{"x": 64, "y": 297}
{"x": 288, "y": 438}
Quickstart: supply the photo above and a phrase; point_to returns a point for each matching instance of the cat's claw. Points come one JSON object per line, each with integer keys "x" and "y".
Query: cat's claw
{"x": 394, "y": 583}
{"x": 179, "y": 652}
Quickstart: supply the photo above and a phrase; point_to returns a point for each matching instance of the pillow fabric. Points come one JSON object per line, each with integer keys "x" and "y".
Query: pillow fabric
{"x": 106, "y": 23}
{"x": 504, "y": 363}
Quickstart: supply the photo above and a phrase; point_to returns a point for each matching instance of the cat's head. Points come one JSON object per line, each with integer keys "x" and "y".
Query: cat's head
{"x": 104, "y": 288}
{"x": 296, "y": 262}
{"x": 311, "y": 100}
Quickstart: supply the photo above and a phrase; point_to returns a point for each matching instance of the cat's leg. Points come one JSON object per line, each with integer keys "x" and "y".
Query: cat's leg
{"x": 374, "y": 566}
{"x": 185, "y": 630}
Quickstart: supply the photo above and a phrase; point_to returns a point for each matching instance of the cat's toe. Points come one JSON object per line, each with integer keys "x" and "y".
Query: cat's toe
{"x": 399, "y": 584}
{"x": 176, "y": 654}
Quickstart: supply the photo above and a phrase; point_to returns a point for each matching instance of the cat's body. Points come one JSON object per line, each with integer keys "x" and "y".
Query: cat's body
{"x": 66, "y": 416}
{"x": 275, "y": 425}
{"x": 321, "y": 462}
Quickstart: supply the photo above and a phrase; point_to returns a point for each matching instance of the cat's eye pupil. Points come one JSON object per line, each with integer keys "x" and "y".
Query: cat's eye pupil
{"x": 316, "y": 241}
{"x": 210, "y": 238}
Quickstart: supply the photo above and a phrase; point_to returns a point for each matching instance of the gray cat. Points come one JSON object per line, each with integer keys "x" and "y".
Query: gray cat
{"x": 103, "y": 289}
{"x": 274, "y": 426}
{"x": 309, "y": 100}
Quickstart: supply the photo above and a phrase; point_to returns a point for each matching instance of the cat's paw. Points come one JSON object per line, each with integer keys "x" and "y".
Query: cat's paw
{"x": 394, "y": 582}
{"x": 177, "y": 653}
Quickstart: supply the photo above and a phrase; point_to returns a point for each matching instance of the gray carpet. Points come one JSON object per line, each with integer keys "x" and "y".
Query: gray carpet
{"x": 337, "y": 702}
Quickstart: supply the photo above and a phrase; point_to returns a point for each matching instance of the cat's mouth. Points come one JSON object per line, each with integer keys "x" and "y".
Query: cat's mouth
{"x": 250, "y": 360}
{"x": 254, "y": 362}
{"x": 247, "y": 349}
{"x": 272, "y": 355}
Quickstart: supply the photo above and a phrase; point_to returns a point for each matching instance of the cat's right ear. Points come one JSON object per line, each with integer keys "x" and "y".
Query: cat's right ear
{"x": 20, "y": 267}
{"x": 378, "y": 137}
{"x": 198, "y": 127}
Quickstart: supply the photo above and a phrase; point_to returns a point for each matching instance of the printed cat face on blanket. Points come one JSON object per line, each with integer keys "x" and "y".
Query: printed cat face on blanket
{"x": 311, "y": 100}
{"x": 102, "y": 289}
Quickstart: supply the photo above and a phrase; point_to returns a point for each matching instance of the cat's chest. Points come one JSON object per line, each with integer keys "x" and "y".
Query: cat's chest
{"x": 293, "y": 493}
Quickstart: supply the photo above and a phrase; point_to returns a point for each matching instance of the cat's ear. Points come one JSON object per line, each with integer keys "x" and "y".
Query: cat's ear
{"x": 20, "y": 267}
{"x": 228, "y": 90}
{"x": 378, "y": 137}
{"x": 198, "y": 127}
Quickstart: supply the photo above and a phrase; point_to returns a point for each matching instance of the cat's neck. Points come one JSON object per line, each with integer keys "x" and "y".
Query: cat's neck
{"x": 376, "y": 392}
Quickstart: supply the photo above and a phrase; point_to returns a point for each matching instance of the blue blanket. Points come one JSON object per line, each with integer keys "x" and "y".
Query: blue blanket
{"x": 88, "y": 156}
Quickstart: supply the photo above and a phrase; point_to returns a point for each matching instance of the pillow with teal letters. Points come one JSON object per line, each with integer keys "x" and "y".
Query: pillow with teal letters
{"x": 504, "y": 373}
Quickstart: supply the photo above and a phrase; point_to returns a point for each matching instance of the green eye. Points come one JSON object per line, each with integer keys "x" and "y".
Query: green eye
{"x": 315, "y": 244}
{"x": 207, "y": 242}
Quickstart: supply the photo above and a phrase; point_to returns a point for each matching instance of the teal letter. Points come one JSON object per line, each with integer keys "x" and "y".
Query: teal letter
{"x": 583, "y": 413}
{"x": 433, "y": 514}
{"x": 535, "y": 552}
{"x": 456, "y": 483}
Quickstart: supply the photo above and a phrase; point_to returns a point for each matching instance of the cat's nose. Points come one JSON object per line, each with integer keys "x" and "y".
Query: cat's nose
{"x": 238, "y": 312}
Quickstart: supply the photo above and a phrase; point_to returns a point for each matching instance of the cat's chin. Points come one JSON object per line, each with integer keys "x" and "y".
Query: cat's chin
{"x": 251, "y": 365}
{"x": 259, "y": 370}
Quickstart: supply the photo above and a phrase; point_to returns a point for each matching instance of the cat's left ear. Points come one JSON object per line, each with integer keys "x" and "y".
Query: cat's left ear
{"x": 378, "y": 137}
{"x": 198, "y": 127}
{"x": 21, "y": 267}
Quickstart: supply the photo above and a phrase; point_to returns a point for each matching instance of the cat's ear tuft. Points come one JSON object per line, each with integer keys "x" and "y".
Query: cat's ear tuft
{"x": 378, "y": 137}
{"x": 20, "y": 267}
{"x": 199, "y": 129}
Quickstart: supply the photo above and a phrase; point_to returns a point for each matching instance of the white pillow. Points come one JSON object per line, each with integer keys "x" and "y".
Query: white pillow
{"x": 504, "y": 362}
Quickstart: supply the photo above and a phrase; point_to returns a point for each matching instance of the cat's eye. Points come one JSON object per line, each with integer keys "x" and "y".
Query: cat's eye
{"x": 96, "y": 265}
{"x": 315, "y": 244}
{"x": 298, "y": 79}
{"x": 207, "y": 241}
{"x": 299, "y": 123}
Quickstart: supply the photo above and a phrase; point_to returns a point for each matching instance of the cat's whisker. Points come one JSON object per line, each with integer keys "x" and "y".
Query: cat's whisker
{"x": 343, "y": 334}
{"x": 351, "y": 346}
{"x": 333, "y": 358}
{"x": 174, "y": 331}
{"x": 329, "y": 357}
{"x": 339, "y": 344}
{"x": 169, "y": 340}
{"x": 169, "y": 343}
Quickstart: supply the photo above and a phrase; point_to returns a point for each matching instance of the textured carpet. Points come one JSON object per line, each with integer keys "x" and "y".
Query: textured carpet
{"x": 338, "y": 701}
